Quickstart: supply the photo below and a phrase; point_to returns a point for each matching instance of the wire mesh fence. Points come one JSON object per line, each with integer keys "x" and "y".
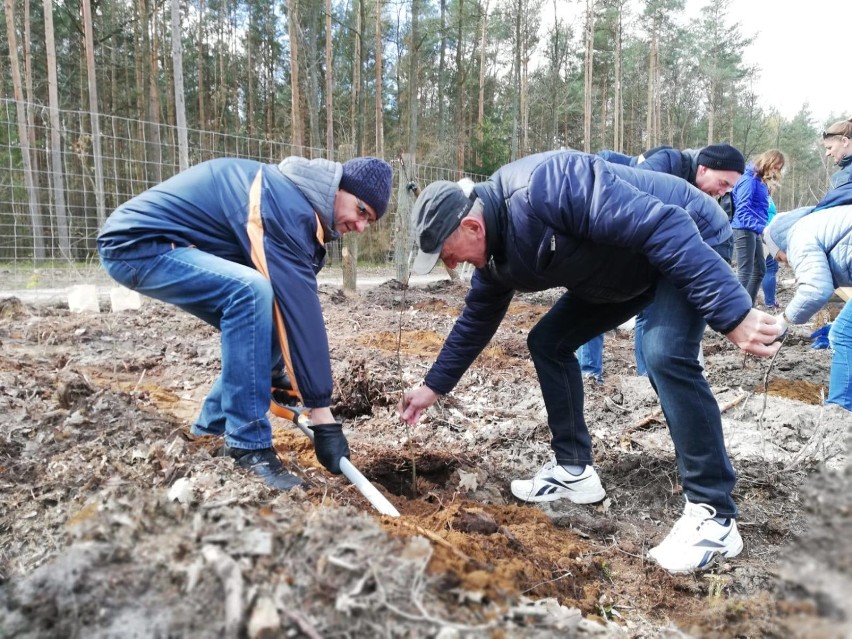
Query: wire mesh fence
{"x": 55, "y": 192}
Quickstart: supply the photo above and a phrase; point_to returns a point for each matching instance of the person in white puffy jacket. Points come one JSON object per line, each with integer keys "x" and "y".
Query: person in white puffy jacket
{"x": 818, "y": 246}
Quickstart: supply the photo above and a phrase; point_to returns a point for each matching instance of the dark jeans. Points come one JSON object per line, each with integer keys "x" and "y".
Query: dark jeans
{"x": 672, "y": 336}
{"x": 751, "y": 265}
{"x": 570, "y": 323}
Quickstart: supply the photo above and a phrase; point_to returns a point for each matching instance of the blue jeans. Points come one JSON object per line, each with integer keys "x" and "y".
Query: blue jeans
{"x": 237, "y": 300}
{"x": 840, "y": 378}
{"x": 638, "y": 336}
{"x": 770, "y": 281}
{"x": 590, "y": 355}
{"x": 748, "y": 253}
{"x": 670, "y": 344}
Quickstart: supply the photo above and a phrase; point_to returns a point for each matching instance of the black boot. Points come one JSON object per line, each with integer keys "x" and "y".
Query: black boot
{"x": 264, "y": 463}
{"x": 281, "y": 380}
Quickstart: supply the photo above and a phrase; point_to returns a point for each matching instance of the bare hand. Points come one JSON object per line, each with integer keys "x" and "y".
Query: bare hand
{"x": 756, "y": 334}
{"x": 414, "y": 402}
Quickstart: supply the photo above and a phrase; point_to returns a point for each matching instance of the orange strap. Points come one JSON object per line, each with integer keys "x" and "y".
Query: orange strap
{"x": 254, "y": 227}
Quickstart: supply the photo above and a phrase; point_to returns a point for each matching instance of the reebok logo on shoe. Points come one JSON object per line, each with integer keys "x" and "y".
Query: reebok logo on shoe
{"x": 553, "y": 482}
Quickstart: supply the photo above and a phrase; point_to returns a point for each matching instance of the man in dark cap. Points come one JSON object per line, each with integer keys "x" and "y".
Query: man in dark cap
{"x": 239, "y": 243}
{"x": 616, "y": 238}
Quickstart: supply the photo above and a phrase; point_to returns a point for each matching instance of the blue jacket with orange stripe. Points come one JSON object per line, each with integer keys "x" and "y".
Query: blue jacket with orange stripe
{"x": 207, "y": 207}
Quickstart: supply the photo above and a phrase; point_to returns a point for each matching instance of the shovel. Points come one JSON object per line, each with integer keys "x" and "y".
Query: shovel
{"x": 295, "y": 414}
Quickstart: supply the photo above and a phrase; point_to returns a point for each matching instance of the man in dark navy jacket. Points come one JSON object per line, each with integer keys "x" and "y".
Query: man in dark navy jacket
{"x": 238, "y": 244}
{"x": 616, "y": 238}
{"x": 713, "y": 169}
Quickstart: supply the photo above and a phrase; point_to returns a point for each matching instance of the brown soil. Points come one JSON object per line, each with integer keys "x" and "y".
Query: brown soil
{"x": 116, "y": 522}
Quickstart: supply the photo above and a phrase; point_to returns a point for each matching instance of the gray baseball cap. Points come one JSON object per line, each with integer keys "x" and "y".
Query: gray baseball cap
{"x": 437, "y": 212}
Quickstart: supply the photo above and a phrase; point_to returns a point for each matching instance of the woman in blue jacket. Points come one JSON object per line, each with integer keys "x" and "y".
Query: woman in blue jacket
{"x": 751, "y": 212}
{"x": 238, "y": 244}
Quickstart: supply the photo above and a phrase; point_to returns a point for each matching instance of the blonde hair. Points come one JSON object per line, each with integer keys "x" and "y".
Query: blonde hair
{"x": 768, "y": 165}
{"x": 842, "y": 128}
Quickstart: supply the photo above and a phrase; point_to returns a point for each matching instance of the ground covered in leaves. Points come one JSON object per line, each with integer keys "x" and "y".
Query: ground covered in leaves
{"x": 115, "y": 522}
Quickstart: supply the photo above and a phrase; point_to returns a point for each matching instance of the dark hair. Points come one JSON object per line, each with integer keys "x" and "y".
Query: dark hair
{"x": 842, "y": 128}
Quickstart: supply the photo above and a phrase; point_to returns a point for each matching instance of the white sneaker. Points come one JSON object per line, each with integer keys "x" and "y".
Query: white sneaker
{"x": 553, "y": 482}
{"x": 696, "y": 539}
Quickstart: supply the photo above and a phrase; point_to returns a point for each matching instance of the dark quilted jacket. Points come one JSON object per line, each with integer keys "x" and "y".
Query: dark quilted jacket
{"x": 605, "y": 232}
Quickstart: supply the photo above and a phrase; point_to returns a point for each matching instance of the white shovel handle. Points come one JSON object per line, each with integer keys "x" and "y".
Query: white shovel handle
{"x": 377, "y": 499}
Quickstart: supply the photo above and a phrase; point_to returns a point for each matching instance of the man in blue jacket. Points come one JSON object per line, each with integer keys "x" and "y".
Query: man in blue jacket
{"x": 616, "y": 239}
{"x": 238, "y": 244}
{"x": 713, "y": 169}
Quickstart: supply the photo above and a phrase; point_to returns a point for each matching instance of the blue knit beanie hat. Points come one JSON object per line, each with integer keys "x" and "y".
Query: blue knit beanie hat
{"x": 776, "y": 236}
{"x": 368, "y": 179}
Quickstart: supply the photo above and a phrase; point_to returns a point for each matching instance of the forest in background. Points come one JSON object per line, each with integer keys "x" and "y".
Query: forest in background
{"x": 462, "y": 84}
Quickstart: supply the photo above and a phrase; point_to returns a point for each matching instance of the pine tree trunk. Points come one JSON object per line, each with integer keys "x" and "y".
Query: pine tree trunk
{"x": 652, "y": 76}
{"x": 516, "y": 74}
{"x": 30, "y": 96}
{"x": 354, "y": 121}
{"x": 202, "y": 113}
{"x": 350, "y": 240}
{"x": 23, "y": 135}
{"x": 588, "y": 75}
{"x": 442, "y": 70}
{"x": 180, "y": 98}
{"x": 711, "y": 114}
{"x": 329, "y": 84}
{"x": 480, "y": 114}
{"x": 413, "y": 88}
{"x": 617, "y": 98}
{"x": 250, "y": 82}
{"x": 97, "y": 156}
{"x": 58, "y": 177}
{"x": 402, "y": 232}
{"x": 460, "y": 76}
{"x": 155, "y": 147}
{"x": 362, "y": 56}
{"x": 311, "y": 58}
{"x": 297, "y": 135}
{"x": 380, "y": 116}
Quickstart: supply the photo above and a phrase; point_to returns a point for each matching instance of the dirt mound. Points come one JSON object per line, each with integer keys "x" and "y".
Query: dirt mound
{"x": 114, "y": 521}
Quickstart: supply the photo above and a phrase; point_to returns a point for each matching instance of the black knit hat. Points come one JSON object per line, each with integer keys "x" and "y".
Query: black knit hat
{"x": 722, "y": 157}
{"x": 368, "y": 179}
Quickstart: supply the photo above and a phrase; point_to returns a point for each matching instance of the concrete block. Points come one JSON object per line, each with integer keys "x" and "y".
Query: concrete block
{"x": 83, "y": 298}
{"x": 123, "y": 299}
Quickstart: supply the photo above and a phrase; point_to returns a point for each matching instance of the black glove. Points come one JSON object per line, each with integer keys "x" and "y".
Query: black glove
{"x": 330, "y": 445}
{"x": 281, "y": 380}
